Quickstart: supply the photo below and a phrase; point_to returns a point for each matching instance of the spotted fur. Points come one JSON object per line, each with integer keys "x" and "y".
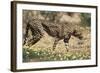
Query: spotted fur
{"x": 57, "y": 30}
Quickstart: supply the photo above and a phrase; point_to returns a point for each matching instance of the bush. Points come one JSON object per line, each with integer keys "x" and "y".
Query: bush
{"x": 86, "y": 19}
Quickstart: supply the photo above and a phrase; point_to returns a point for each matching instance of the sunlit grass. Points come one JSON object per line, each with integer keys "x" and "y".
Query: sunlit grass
{"x": 35, "y": 55}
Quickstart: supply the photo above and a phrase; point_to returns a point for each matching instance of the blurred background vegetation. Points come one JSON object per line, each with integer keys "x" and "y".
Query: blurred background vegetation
{"x": 86, "y": 19}
{"x": 54, "y": 16}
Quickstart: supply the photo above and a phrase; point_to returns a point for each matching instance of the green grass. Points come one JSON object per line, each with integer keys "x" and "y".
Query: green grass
{"x": 50, "y": 55}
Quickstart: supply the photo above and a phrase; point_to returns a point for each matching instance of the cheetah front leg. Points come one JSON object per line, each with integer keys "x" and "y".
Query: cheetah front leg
{"x": 55, "y": 43}
{"x": 66, "y": 41}
{"x": 67, "y": 46}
